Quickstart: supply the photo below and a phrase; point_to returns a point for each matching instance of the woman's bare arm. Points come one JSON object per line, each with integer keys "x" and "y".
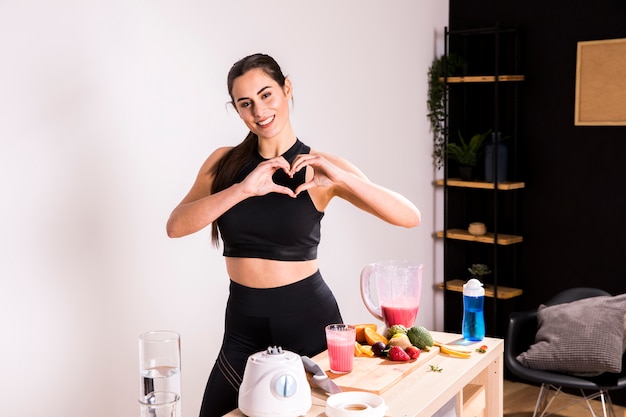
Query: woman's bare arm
{"x": 200, "y": 208}
{"x": 344, "y": 180}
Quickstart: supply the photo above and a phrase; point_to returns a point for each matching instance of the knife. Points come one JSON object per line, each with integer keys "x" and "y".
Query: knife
{"x": 319, "y": 377}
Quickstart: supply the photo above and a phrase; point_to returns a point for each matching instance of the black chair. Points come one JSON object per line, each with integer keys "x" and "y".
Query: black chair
{"x": 521, "y": 335}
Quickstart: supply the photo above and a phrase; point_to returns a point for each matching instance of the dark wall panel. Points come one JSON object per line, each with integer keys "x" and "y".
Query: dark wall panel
{"x": 574, "y": 205}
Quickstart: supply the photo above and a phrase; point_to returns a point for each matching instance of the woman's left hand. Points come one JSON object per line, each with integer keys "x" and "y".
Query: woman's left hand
{"x": 344, "y": 180}
{"x": 325, "y": 173}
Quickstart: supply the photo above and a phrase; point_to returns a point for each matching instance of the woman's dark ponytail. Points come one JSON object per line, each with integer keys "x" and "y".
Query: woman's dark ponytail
{"x": 226, "y": 170}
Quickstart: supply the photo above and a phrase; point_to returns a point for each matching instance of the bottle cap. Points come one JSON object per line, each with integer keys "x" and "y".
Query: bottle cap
{"x": 473, "y": 288}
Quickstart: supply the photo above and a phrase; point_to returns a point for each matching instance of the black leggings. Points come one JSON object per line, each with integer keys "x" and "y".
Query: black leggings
{"x": 292, "y": 316}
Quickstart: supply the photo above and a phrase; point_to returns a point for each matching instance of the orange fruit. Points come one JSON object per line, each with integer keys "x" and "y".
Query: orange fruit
{"x": 367, "y": 351}
{"x": 360, "y": 331}
{"x": 372, "y": 336}
{"x": 357, "y": 349}
{"x": 362, "y": 350}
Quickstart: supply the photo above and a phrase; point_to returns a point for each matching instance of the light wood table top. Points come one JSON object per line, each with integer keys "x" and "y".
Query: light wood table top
{"x": 424, "y": 391}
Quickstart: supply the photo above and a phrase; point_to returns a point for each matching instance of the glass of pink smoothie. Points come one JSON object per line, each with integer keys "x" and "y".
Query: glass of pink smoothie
{"x": 340, "y": 339}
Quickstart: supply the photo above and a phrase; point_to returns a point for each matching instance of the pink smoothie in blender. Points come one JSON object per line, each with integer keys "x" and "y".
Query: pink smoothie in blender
{"x": 391, "y": 291}
{"x": 399, "y": 315}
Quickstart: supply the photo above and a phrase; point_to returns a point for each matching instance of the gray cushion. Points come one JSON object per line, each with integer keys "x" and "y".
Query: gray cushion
{"x": 584, "y": 337}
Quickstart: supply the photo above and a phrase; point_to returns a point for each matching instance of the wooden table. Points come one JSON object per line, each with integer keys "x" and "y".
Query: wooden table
{"x": 476, "y": 383}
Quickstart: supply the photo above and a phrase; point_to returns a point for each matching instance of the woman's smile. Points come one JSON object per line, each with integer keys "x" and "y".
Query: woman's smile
{"x": 266, "y": 122}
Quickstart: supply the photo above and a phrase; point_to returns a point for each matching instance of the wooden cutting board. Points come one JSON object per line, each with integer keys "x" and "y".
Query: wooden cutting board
{"x": 374, "y": 375}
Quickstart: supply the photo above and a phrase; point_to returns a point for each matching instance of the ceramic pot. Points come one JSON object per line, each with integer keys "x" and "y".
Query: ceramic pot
{"x": 466, "y": 173}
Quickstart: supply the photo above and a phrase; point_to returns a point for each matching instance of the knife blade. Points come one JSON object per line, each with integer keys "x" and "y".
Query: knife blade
{"x": 319, "y": 377}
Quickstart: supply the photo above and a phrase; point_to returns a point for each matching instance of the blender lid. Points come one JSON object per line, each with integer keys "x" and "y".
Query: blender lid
{"x": 273, "y": 355}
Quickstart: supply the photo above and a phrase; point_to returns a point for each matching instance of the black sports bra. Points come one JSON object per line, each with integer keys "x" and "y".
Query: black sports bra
{"x": 274, "y": 226}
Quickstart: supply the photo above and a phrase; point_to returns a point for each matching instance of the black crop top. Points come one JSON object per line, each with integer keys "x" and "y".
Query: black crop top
{"x": 274, "y": 226}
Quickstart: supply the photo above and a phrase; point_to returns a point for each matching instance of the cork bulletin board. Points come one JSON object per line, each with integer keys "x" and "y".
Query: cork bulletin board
{"x": 601, "y": 83}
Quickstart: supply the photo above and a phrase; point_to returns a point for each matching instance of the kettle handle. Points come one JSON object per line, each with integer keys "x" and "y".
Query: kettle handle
{"x": 366, "y": 292}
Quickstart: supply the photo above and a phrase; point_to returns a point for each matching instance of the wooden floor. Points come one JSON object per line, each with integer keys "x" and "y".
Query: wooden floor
{"x": 519, "y": 401}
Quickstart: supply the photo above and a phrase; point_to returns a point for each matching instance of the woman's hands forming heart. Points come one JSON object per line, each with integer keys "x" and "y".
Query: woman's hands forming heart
{"x": 259, "y": 181}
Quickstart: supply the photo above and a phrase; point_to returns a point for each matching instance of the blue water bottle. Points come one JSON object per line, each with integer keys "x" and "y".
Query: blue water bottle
{"x": 473, "y": 317}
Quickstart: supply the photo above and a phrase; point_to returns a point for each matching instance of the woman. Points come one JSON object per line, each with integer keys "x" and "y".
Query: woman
{"x": 265, "y": 198}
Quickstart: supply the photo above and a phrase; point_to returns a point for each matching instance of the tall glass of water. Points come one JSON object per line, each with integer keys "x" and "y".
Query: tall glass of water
{"x": 160, "y": 404}
{"x": 159, "y": 368}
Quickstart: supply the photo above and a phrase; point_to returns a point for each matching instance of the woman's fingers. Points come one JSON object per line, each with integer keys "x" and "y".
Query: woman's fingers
{"x": 305, "y": 186}
{"x": 302, "y": 161}
{"x": 284, "y": 190}
{"x": 259, "y": 181}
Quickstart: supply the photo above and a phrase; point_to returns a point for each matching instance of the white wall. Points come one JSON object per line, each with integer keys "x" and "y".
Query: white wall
{"x": 107, "y": 110}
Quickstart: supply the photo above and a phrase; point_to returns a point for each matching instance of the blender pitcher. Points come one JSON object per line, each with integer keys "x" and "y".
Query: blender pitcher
{"x": 391, "y": 291}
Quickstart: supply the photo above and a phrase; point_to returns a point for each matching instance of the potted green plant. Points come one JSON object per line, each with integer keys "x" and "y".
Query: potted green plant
{"x": 466, "y": 153}
{"x": 479, "y": 270}
{"x": 437, "y": 90}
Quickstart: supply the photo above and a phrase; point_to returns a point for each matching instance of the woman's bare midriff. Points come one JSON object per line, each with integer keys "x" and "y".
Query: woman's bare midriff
{"x": 266, "y": 273}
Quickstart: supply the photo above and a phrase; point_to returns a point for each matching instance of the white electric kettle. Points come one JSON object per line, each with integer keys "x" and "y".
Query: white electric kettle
{"x": 274, "y": 385}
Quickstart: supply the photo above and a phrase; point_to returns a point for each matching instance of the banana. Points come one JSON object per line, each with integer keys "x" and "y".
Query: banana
{"x": 449, "y": 350}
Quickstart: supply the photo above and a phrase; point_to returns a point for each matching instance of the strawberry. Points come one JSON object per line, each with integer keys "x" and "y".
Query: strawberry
{"x": 396, "y": 353}
{"x": 482, "y": 349}
{"x": 413, "y": 352}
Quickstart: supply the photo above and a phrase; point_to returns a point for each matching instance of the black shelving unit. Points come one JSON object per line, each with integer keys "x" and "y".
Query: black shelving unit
{"x": 486, "y": 95}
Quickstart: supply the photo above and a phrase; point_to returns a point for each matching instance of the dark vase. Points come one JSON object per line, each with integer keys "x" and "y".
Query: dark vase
{"x": 490, "y": 159}
{"x": 466, "y": 173}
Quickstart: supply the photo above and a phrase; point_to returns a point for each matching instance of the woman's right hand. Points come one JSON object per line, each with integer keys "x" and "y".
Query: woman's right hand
{"x": 200, "y": 207}
{"x": 259, "y": 182}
